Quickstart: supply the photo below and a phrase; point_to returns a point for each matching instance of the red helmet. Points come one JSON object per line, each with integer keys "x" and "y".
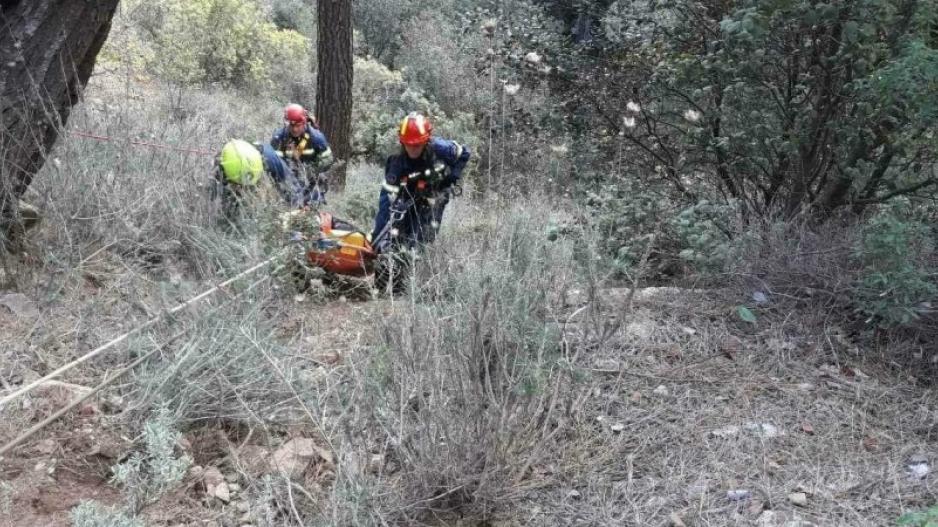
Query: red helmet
{"x": 415, "y": 130}
{"x": 294, "y": 113}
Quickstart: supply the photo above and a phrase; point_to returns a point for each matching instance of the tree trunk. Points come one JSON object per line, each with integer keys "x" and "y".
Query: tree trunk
{"x": 334, "y": 80}
{"x": 47, "y": 52}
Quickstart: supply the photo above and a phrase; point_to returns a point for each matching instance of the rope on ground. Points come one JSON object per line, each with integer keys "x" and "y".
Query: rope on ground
{"x": 62, "y": 411}
{"x": 101, "y": 349}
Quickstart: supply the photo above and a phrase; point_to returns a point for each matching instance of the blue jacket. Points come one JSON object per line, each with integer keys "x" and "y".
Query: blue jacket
{"x": 311, "y": 145}
{"x": 453, "y": 155}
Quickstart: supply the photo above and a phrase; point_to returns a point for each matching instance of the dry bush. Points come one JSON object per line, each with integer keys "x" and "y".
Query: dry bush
{"x": 128, "y": 229}
{"x": 794, "y": 258}
{"x": 462, "y": 403}
{"x": 140, "y": 206}
{"x": 221, "y": 372}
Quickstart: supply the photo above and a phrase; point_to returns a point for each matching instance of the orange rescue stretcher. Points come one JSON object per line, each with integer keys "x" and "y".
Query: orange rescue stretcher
{"x": 341, "y": 248}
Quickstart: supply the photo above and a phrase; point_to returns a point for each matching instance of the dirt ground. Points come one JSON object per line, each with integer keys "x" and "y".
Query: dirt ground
{"x": 697, "y": 417}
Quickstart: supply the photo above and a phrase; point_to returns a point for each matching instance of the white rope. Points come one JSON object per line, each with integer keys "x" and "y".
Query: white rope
{"x": 62, "y": 411}
{"x": 97, "y": 351}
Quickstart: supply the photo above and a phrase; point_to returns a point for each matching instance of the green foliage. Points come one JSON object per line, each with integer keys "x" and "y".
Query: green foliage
{"x": 704, "y": 234}
{"x": 93, "y": 514}
{"x": 926, "y": 518}
{"x": 624, "y": 216}
{"x": 229, "y": 42}
{"x": 382, "y": 97}
{"x": 894, "y": 278}
{"x": 436, "y": 64}
{"x": 295, "y": 15}
{"x": 781, "y": 106}
{"x": 745, "y": 314}
{"x": 146, "y": 475}
{"x": 359, "y": 203}
{"x": 379, "y": 24}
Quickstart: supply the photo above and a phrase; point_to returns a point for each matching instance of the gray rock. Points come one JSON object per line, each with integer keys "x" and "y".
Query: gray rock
{"x": 738, "y": 494}
{"x": 20, "y": 305}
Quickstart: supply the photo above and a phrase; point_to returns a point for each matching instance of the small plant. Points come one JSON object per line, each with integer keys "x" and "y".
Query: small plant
{"x": 926, "y": 518}
{"x": 144, "y": 477}
{"x": 93, "y": 514}
{"x": 624, "y": 215}
{"x": 6, "y": 498}
{"x": 894, "y": 280}
{"x": 148, "y": 474}
{"x": 703, "y": 230}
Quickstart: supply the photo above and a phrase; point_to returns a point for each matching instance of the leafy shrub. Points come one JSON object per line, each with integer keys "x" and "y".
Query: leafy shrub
{"x": 93, "y": 514}
{"x": 894, "y": 279}
{"x": 704, "y": 232}
{"x": 229, "y": 42}
{"x": 145, "y": 476}
{"x": 439, "y": 65}
{"x": 378, "y": 23}
{"x": 382, "y": 97}
{"x": 625, "y": 216}
{"x": 359, "y": 203}
{"x": 295, "y": 15}
{"x": 149, "y": 474}
{"x": 926, "y": 518}
{"x": 629, "y": 214}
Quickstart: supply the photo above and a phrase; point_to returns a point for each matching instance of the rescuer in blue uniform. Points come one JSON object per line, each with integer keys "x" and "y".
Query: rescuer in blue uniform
{"x": 420, "y": 152}
{"x": 299, "y": 141}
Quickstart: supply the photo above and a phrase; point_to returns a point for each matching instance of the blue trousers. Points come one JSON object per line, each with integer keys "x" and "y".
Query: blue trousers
{"x": 295, "y": 192}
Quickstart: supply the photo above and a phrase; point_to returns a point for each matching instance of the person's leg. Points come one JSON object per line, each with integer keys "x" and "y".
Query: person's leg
{"x": 436, "y": 218}
{"x": 290, "y": 188}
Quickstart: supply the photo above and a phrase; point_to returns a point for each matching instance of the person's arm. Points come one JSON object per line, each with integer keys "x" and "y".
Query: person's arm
{"x": 454, "y": 155}
{"x": 389, "y": 190}
{"x": 320, "y": 153}
{"x": 276, "y": 142}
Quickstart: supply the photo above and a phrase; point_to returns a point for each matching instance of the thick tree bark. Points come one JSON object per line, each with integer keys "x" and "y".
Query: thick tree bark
{"x": 47, "y": 52}
{"x": 334, "y": 80}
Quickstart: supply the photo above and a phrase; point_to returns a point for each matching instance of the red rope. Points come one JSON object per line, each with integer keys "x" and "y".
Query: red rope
{"x": 144, "y": 143}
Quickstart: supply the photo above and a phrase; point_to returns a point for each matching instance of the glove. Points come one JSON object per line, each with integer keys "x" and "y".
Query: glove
{"x": 441, "y": 170}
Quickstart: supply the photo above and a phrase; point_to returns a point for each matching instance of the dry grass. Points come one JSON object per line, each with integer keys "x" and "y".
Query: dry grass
{"x": 844, "y": 437}
{"x": 510, "y": 387}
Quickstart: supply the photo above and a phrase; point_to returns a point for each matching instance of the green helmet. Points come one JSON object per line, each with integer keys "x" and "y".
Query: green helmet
{"x": 241, "y": 163}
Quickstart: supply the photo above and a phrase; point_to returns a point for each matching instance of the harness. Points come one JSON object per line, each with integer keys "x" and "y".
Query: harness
{"x": 299, "y": 147}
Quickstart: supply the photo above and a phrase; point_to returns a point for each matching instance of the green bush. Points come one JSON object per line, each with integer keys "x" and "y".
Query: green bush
{"x": 229, "y": 42}
{"x": 628, "y": 215}
{"x": 382, "y": 97}
{"x": 893, "y": 251}
{"x": 704, "y": 231}
{"x": 93, "y": 514}
{"x": 378, "y": 23}
{"x": 295, "y": 15}
{"x": 625, "y": 216}
{"x": 926, "y": 518}
{"x": 146, "y": 475}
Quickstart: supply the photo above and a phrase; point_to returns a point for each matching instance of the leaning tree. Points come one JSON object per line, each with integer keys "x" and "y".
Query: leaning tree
{"x": 47, "y": 52}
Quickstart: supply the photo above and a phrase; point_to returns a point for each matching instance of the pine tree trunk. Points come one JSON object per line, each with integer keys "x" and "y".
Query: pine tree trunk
{"x": 334, "y": 80}
{"x": 47, "y": 52}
